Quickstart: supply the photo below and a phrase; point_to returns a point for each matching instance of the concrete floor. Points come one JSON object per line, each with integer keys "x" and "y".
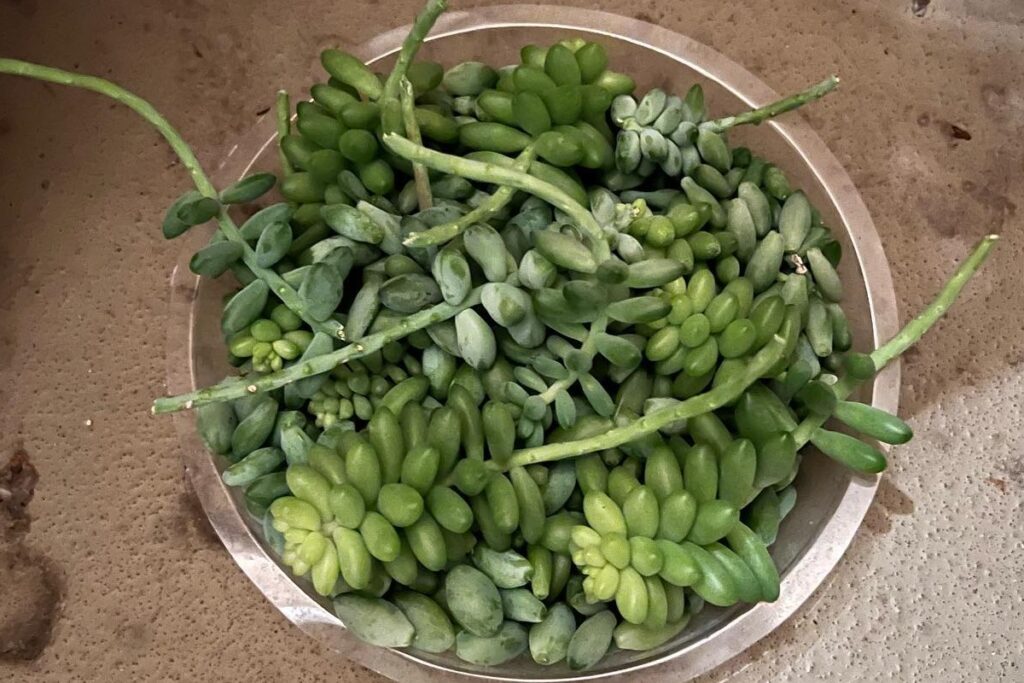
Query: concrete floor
{"x": 111, "y": 572}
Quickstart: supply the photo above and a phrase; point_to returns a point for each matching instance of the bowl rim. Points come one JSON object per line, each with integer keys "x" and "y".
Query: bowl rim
{"x": 807, "y": 573}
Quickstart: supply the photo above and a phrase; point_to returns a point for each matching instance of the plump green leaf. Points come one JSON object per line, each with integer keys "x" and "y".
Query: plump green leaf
{"x": 273, "y": 244}
{"x": 259, "y": 221}
{"x": 475, "y": 339}
{"x": 564, "y": 251}
{"x": 244, "y": 307}
{"x": 507, "y": 305}
{"x": 451, "y": 271}
{"x": 249, "y": 188}
{"x": 321, "y": 291}
{"x": 352, "y": 223}
{"x": 409, "y": 293}
{"x": 486, "y": 247}
{"x": 213, "y": 259}
{"x": 191, "y": 208}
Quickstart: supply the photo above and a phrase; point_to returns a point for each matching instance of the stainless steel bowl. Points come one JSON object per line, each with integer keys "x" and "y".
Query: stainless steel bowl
{"x": 832, "y": 501}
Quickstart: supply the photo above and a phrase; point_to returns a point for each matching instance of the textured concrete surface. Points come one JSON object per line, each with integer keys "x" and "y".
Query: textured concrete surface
{"x": 111, "y": 571}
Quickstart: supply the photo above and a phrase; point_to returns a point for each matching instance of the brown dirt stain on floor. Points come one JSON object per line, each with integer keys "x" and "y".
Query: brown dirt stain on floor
{"x": 33, "y": 585}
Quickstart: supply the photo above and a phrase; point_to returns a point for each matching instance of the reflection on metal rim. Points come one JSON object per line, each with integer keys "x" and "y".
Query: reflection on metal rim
{"x": 745, "y": 627}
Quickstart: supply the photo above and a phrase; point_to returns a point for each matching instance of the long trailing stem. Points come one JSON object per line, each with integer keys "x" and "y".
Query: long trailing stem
{"x": 492, "y": 173}
{"x": 423, "y": 196}
{"x": 721, "y": 395}
{"x": 282, "y": 289}
{"x": 389, "y": 100}
{"x": 16, "y": 67}
{"x": 911, "y": 332}
{"x": 283, "y": 117}
{"x": 410, "y": 46}
{"x": 228, "y": 391}
{"x": 446, "y": 232}
{"x": 916, "y": 328}
{"x": 761, "y": 362}
{"x": 756, "y": 116}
